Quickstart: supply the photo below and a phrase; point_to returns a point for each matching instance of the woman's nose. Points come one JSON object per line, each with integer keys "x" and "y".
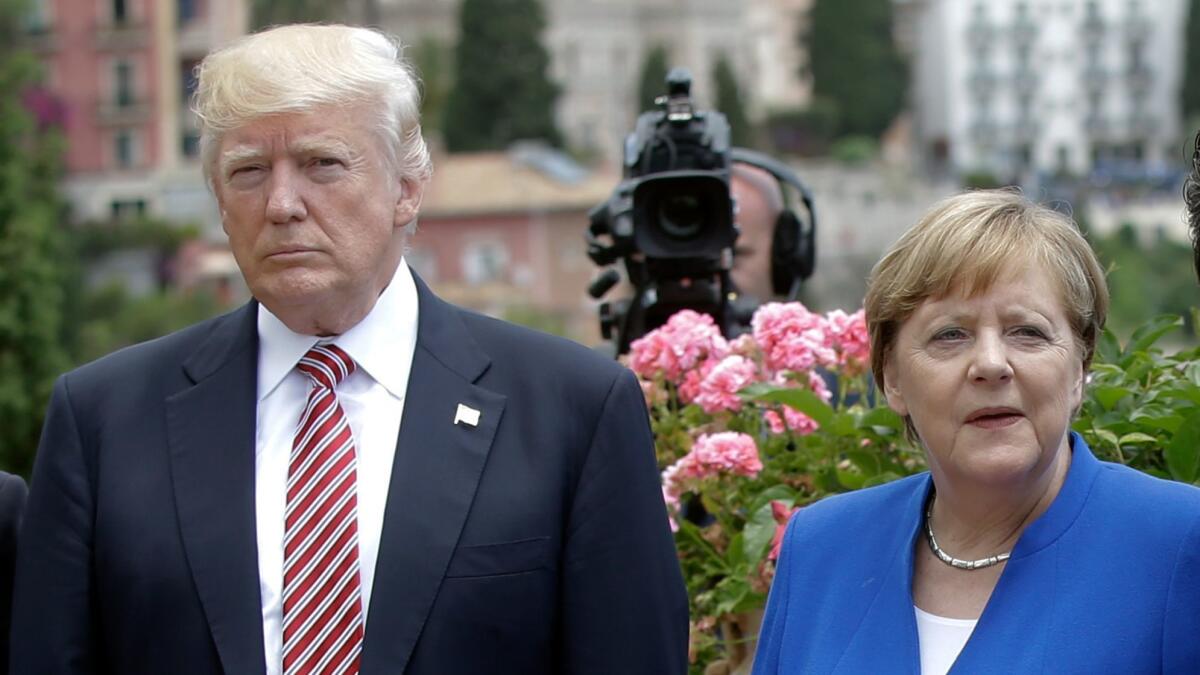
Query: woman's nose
{"x": 989, "y": 360}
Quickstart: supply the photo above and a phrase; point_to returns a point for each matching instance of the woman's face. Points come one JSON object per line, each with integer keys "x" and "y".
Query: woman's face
{"x": 991, "y": 382}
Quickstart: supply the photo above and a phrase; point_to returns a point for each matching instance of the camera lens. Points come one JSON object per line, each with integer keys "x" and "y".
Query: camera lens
{"x": 681, "y": 216}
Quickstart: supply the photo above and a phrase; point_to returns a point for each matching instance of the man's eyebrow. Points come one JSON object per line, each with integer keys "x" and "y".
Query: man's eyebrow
{"x": 236, "y": 155}
{"x": 311, "y": 146}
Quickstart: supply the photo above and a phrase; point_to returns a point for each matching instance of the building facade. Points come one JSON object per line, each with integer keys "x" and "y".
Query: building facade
{"x": 597, "y": 49}
{"x": 1015, "y": 87}
{"x": 121, "y": 71}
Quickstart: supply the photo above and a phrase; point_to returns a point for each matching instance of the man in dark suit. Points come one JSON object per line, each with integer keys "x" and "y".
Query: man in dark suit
{"x": 348, "y": 474}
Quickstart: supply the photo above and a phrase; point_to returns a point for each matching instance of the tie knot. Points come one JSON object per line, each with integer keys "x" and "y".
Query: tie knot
{"x": 326, "y": 365}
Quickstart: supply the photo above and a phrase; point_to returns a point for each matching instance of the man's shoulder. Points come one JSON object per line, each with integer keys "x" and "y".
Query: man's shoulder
{"x": 150, "y": 358}
{"x": 511, "y": 346}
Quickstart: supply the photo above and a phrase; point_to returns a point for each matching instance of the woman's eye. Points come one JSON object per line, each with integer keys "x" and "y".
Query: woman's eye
{"x": 949, "y": 334}
{"x": 1029, "y": 331}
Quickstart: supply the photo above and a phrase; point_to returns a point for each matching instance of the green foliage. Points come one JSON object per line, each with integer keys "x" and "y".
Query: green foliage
{"x": 1190, "y": 87}
{"x": 93, "y": 240}
{"x": 1143, "y": 406}
{"x": 854, "y": 63}
{"x": 729, "y": 101}
{"x": 112, "y": 319}
{"x": 32, "y": 265}
{"x": 981, "y": 179}
{"x": 652, "y": 81}
{"x": 433, "y": 61}
{"x": 265, "y": 13}
{"x": 1146, "y": 280}
{"x": 502, "y": 91}
{"x": 854, "y": 149}
{"x": 537, "y": 319}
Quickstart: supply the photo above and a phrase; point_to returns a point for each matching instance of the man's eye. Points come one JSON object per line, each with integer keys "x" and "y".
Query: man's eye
{"x": 326, "y": 162}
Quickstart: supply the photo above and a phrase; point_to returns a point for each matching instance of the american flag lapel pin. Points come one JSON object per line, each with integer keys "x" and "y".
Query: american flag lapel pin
{"x": 467, "y": 415}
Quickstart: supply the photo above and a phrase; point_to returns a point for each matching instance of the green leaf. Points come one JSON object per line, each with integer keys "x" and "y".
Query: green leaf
{"x": 1149, "y": 333}
{"x": 866, "y": 462}
{"x": 881, "y": 417}
{"x": 1109, "y": 348}
{"x": 1137, "y": 437}
{"x": 801, "y": 399}
{"x": 880, "y": 479}
{"x": 1183, "y": 452}
{"x": 1108, "y": 437}
{"x": 1109, "y": 396}
{"x": 760, "y": 530}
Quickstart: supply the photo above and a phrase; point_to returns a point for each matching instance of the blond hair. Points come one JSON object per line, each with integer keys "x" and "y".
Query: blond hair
{"x": 298, "y": 68}
{"x": 968, "y": 241}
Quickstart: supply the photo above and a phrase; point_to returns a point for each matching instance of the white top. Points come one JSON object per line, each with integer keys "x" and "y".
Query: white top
{"x": 382, "y": 345}
{"x": 941, "y": 640}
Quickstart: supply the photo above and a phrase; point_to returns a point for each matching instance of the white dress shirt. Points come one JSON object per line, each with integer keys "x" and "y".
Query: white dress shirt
{"x": 941, "y": 639}
{"x": 382, "y": 345}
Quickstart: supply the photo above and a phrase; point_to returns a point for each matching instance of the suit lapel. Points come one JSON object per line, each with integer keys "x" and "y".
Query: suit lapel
{"x": 435, "y": 473}
{"x": 211, "y": 431}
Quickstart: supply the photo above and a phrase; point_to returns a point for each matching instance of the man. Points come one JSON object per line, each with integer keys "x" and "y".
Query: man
{"x": 759, "y": 203}
{"x": 346, "y": 475}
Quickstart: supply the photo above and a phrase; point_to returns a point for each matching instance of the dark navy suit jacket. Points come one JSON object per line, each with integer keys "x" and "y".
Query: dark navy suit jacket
{"x": 534, "y": 542}
{"x": 1107, "y": 580}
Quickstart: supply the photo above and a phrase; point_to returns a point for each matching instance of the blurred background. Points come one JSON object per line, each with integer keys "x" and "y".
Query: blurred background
{"x": 108, "y": 235}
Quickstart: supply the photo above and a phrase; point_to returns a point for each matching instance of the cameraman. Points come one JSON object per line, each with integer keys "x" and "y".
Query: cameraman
{"x": 759, "y": 202}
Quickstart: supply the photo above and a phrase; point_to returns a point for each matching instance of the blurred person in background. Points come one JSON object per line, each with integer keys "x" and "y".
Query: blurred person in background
{"x": 12, "y": 503}
{"x": 347, "y": 474}
{"x": 1018, "y": 551}
{"x": 1191, "y": 198}
{"x": 759, "y": 202}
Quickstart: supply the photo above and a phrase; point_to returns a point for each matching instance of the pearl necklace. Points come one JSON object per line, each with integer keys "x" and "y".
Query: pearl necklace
{"x": 951, "y": 560}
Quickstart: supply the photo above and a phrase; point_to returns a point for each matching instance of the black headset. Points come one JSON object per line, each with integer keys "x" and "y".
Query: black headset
{"x": 793, "y": 243}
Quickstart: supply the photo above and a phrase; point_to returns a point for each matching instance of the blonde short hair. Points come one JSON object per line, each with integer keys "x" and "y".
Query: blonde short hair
{"x": 298, "y": 68}
{"x": 967, "y": 242}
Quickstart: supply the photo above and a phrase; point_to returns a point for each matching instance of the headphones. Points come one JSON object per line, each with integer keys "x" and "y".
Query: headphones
{"x": 793, "y": 243}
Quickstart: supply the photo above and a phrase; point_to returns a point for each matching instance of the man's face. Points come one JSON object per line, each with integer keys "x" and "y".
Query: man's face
{"x": 756, "y": 217}
{"x": 312, "y": 212}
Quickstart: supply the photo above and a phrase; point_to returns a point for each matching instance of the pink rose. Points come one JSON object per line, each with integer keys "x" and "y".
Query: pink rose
{"x": 678, "y": 346}
{"x": 782, "y": 514}
{"x": 851, "y": 340}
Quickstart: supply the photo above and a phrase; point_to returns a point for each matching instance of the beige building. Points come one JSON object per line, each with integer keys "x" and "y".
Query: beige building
{"x": 597, "y": 50}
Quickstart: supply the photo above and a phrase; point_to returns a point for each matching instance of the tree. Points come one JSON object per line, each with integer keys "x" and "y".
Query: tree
{"x": 652, "y": 82}
{"x": 854, "y": 63}
{"x": 31, "y": 254}
{"x": 432, "y": 60}
{"x": 275, "y": 12}
{"x": 502, "y": 91}
{"x": 729, "y": 101}
{"x": 1191, "y": 63}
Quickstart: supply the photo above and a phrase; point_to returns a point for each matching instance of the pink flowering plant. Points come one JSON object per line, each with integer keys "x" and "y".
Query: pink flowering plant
{"x": 750, "y": 430}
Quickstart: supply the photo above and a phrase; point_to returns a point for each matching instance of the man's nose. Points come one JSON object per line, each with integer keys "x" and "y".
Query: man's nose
{"x": 285, "y": 200}
{"x": 989, "y": 360}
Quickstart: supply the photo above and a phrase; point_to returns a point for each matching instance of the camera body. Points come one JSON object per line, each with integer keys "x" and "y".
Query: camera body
{"x": 670, "y": 219}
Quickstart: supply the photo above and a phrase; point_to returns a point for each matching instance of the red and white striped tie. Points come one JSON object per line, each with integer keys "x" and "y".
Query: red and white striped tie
{"x": 322, "y": 608}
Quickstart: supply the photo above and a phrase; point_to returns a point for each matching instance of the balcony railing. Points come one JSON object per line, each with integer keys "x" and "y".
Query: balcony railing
{"x": 127, "y": 34}
{"x": 123, "y": 113}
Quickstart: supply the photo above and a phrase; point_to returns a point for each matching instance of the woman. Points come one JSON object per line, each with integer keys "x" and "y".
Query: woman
{"x": 1019, "y": 551}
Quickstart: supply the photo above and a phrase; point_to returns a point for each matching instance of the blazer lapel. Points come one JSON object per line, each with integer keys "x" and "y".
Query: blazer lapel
{"x": 886, "y": 638}
{"x": 436, "y": 470}
{"x": 211, "y": 431}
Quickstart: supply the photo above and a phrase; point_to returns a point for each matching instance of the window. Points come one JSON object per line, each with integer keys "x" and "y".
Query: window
{"x": 484, "y": 262}
{"x": 123, "y": 84}
{"x": 187, "y": 79}
{"x": 127, "y": 209}
{"x": 125, "y": 149}
{"x": 186, "y": 10}
{"x": 189, "y": 144}
{"x": 120, "y": 11}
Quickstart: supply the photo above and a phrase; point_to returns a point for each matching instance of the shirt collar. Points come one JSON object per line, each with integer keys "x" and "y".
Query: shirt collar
{"x": 382, "y": 344}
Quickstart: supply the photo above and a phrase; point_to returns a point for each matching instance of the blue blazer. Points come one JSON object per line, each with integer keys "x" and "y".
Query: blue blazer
{"x": 536, "y": 542}
{"x": 1107, "y": 580}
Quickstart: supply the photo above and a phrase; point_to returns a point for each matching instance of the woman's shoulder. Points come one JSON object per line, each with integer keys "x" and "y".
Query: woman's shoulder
{"x": 859, "y": 508}
{"x": 1149, "y": 500}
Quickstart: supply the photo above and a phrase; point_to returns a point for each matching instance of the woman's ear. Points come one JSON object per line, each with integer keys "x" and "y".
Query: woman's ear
{"x": 892, "y": 389}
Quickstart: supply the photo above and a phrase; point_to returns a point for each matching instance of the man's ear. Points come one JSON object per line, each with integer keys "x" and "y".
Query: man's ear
{"x": 891, "y": 389}
{"x": 408, "y": 201}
